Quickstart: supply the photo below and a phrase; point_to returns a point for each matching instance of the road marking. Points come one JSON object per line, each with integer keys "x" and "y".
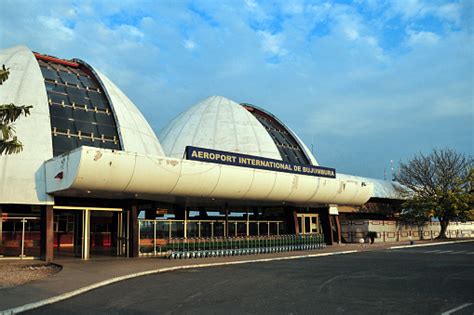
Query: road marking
{"x": 460, "y": 307}
{"x": 329, "y": 281}
{"x": 432, "y": 251}
{"x": 430, "y": 244}
{"x": 458, "y": 252}
{"x": 444, "y": 252}
{"x": 70, "y": 294}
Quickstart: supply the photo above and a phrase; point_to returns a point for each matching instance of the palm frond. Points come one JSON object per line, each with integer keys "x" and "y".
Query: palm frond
{"x": 4, "y": 72}
{"x": 12, "y": 146}
{"x": 10, "y": 112}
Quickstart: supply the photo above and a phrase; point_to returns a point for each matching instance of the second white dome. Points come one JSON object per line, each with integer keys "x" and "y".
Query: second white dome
{"x": 221, "y": 124}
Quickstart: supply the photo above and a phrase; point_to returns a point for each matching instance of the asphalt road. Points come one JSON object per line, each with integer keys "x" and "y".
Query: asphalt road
{"x": 419, "y": 280}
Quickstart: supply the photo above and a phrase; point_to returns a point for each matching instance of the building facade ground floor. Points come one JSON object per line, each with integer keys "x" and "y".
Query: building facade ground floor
{"x": 88, "y": 228}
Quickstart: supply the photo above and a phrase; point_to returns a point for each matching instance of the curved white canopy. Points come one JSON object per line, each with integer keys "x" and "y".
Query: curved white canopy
{"x": 100, "y": 171}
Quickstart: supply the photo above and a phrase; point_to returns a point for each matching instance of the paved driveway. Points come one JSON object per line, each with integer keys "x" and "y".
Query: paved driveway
{"x": 424, "y": 280}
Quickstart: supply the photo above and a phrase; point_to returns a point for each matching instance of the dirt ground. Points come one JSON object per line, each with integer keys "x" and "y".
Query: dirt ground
{"x": 13, "y": 273}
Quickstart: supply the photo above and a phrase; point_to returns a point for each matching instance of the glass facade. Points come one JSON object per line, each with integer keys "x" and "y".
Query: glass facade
{"x": 289, "y": 148}
{"x": 79, "y": 110}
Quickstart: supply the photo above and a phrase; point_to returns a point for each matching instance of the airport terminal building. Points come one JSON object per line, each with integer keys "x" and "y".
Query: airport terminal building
{"x": 94, "y": 179}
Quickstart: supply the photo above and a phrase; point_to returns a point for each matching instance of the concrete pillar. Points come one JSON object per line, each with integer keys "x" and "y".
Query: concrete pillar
{"x": 86, "y": 234}
{"x": 47, "y": 233}
{"x": 338, "y": 229}
{"x": 78, "y": 233}
{"x": 226, "y": 228}
{"x": 291, "y": 219}
{"x": 185, "y": 225}
{"x": 326, "y": 224}
{"x": 133, "y": 230}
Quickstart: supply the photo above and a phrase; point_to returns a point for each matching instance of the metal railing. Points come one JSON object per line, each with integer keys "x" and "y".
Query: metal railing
{"x": 180, "y": 248}
{"x": 236, "y": 246}
{"x": 154, "y": 235}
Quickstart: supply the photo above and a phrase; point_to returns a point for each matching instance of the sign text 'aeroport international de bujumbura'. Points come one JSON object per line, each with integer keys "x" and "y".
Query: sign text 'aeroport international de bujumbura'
{"x": 237, "y": 159}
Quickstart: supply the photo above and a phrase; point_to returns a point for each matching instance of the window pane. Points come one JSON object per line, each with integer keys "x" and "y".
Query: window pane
{"x": 104, "y": 119}
{"x": 58, "y": 98}
{"x": 59, "y": 111}
{"x": 69, "y": 78}
{"x": 49, "y": 74}
{"x": 63, "y": 143}
{"x": 63, "y": 124}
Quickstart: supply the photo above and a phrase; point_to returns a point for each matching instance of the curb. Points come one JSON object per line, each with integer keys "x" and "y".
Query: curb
{"x": 429, "y": 244}
{"x": 70, "y": 294}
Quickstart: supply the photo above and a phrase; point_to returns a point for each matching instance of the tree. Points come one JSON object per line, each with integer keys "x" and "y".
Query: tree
{"x": 9, "y": 113}
{"x": 437, "y": 185}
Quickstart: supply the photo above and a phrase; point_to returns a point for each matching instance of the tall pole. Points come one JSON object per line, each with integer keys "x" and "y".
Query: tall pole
{"x": 23, "y": 221}
{"x": 392, "y": 172}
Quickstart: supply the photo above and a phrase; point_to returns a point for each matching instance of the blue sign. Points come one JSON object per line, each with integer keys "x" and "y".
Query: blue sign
{"x": 237, "y": 159}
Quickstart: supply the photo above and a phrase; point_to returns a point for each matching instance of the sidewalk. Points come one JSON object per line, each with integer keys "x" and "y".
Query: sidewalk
{"x": 77, "y": 274}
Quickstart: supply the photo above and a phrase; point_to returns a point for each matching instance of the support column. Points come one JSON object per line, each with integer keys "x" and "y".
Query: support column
{"x": 291, "y": 223}
{"x": 185, "y": 226}
{"x": 133, "y": 228}
{"x": 86, "y": 233}
{"x": 47, "y": 233}
{"x": 226, "y": 227}
{"x": 326, "y": 223}
{"x": 78, "y": 235}
{"x": 247, "y": 224}
{"x": 338, "y": 229}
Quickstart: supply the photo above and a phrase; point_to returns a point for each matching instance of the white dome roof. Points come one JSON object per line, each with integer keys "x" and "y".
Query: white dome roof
{"x": 22, "y": 175}
{"x": 220, "y": 124}
{"x": 135, "y": 133}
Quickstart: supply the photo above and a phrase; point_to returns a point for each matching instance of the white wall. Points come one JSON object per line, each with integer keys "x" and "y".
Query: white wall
{"x": 22, "y": 178}
{"x": 390, "y": 231}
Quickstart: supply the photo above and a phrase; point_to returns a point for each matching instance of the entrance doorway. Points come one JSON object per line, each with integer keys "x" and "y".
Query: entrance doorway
{"x": 82, "y": 232}
{"x": 19, "y": 236}
{"x": 308, "y": 223}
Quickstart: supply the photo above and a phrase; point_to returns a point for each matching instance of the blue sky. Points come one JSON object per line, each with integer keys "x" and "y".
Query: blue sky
{"x": 364, "y": 81}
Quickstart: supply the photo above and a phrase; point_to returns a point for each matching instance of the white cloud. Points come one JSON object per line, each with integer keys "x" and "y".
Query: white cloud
{"x": 422, "y": 38}
{"x": 292, "y": 7}
{"x": 450, "y": 12}
{"x": 251, "y": 5}
{"x": 189, "y": 44}
{"x": 414, "y": 10}
{"x": 408, "y": 8}
{"x": 56, "y": 26}
{"x": 130, "y": 31}
{"x": 272, "y": 43}
{"x": 351, "y": 33}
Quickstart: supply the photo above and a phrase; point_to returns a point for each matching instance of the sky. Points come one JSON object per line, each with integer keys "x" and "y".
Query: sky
{"x": 362, "y": 82}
